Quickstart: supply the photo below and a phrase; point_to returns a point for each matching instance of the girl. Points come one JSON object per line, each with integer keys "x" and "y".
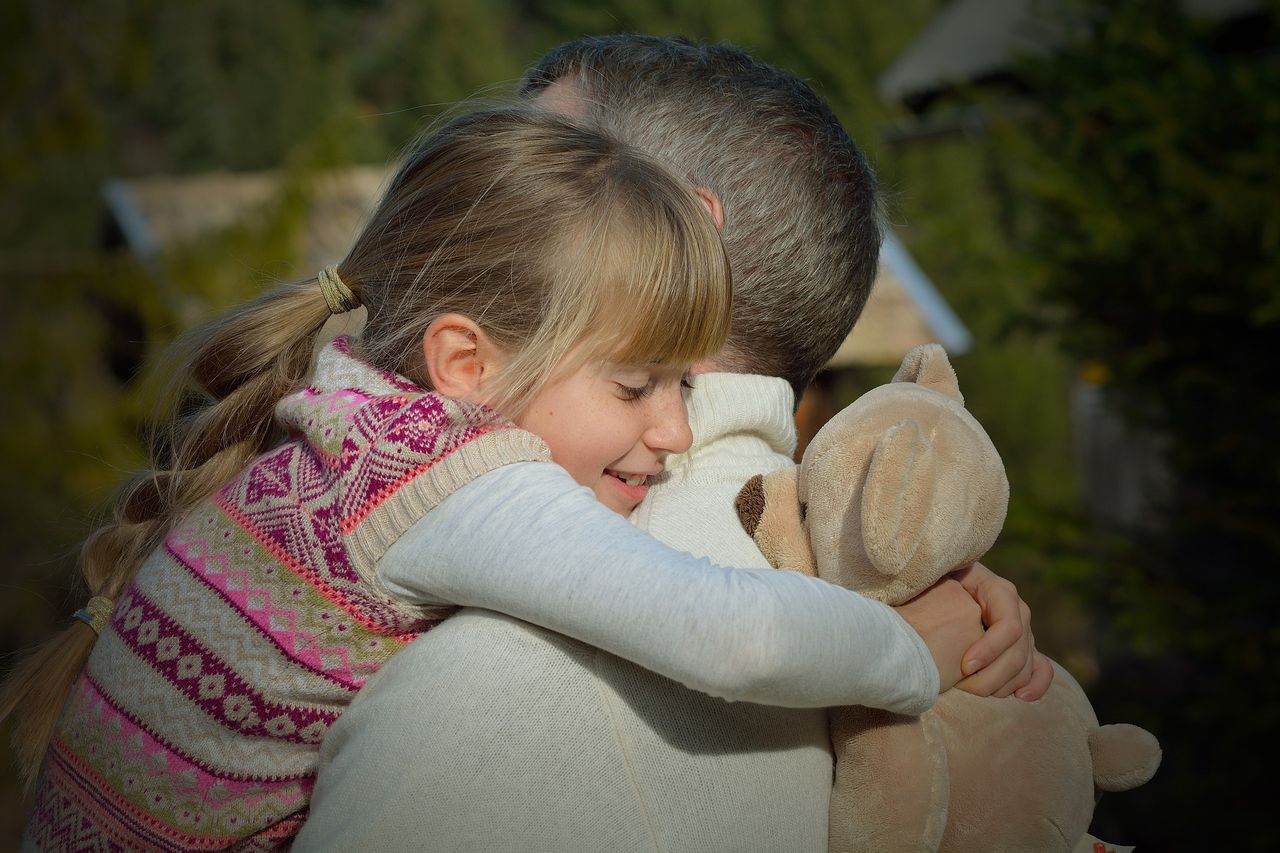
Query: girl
{"x": 247, "y": 589}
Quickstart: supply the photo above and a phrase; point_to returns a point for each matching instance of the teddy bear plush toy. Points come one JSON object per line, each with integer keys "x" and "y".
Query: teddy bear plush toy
{"x": 897, "y": 490}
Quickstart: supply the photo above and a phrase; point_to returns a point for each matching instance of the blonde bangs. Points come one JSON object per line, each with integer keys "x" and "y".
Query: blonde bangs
{"x": 659, "y": 279}
{"x": 601, "y": 253}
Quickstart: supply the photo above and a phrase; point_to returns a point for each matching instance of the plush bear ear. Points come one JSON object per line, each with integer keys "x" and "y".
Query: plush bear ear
{"x": 928, "y": 365}
{"x": 770, "y": 511}
{"x": 1124, "y": 756}
{"x": 897, "y": 496}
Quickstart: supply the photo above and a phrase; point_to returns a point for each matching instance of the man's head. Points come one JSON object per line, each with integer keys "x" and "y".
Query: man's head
{"x": 802, "y": 223}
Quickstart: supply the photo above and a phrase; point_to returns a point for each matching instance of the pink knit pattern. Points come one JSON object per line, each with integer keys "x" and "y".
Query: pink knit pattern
{"x": 197, "y": 722}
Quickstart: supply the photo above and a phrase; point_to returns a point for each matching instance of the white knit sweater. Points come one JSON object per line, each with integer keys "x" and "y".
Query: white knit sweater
{"x": 492, "y": 734}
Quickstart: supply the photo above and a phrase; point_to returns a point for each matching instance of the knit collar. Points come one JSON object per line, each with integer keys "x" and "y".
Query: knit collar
{"x": 345, "y": 392}
{"x": 742, "y": 409}
{"x": 337, "y": 367}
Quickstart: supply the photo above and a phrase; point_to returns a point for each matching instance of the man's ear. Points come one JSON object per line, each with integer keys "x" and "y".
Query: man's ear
{"x": 459, "y": 357}
{"x": 712, "y": 202}
{"x": 563, "y": 97}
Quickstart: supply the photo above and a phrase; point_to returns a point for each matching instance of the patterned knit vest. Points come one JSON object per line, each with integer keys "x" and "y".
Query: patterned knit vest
{"x": 197, "y": 722}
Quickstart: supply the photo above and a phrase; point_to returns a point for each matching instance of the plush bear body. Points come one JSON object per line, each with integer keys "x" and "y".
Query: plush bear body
{"x": 900, "y": 488}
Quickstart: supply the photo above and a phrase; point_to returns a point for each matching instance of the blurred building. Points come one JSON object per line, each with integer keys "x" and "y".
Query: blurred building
{"x": 904, "y": 310}
{"x": 156, "y": 214}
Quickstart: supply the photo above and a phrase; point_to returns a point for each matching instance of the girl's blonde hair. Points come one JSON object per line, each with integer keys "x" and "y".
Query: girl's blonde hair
{"x": 552, "y": 238}
{"x": 562, "y": 244}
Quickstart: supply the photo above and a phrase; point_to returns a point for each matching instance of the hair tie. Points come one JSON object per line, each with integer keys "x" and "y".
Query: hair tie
{"x": 96, "y": 613}
{"x": 337, "y": 295}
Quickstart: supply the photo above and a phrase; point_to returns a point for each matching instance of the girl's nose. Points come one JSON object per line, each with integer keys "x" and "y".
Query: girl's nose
{"x": 669, "y": 430}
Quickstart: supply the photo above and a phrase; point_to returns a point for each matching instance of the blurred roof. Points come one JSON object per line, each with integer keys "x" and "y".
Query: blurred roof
{"x": 157, "y": 213}
{"x": 904, "y": 310}
{"x": 153, "y": 214}
{"x": 977, "y": 40}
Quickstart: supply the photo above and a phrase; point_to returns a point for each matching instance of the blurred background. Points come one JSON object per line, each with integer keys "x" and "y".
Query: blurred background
{"x": 1085, "y": 208}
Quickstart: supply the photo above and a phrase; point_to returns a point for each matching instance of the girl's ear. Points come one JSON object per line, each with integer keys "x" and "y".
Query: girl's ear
{"x": 459, "y": 357}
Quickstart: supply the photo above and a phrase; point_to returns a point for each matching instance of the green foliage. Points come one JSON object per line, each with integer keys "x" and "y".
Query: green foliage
{"x": 410, "y": 59}
{"x": 1151, "y": 207}
{"x": 234, "y": 84}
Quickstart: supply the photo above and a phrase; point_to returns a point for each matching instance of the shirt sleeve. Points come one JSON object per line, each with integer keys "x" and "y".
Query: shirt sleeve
{"x": 527, "y": 541}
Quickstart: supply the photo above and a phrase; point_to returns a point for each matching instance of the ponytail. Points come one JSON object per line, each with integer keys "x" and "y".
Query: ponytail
{"x": 220, "y": 414}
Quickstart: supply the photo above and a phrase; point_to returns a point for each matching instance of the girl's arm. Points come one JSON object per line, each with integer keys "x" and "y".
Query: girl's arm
{"x": 527, "y": 541}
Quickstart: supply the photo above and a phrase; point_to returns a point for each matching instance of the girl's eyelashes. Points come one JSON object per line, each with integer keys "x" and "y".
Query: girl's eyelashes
{"x": 637, "y": 384}
{"x": 631, "y": 392}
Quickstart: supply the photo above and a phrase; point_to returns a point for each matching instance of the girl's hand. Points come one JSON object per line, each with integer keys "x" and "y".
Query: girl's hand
{"x": 1004, "y": 661}
{"x": 947, "y": 617}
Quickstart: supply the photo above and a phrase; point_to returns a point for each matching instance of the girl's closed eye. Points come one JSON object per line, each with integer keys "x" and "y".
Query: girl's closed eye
{"x": 634, "y": 382}
{"x": 635, "y": 392}
{"x": 633, "y": 388}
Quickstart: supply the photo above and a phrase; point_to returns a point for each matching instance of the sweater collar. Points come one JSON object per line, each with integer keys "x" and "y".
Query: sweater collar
{"x": 739, "y": 407}
{"x": 346, "y": 393}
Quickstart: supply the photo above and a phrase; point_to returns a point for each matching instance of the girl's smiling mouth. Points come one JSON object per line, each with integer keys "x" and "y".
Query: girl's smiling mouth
{"x": 630, "y": 487}
{"x": 632, "y": 480}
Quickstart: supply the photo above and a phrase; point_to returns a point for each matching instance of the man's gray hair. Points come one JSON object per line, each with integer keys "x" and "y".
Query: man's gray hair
{"x": 802, "y": 215}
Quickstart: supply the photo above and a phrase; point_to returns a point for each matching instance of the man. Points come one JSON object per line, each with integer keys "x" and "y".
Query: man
{"x": 489, "y": 734}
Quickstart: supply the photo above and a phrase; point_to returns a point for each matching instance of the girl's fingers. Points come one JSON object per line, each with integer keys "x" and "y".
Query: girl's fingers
{"x": 1041, "y": 678}
{"x": 1004, "y": 674}
{"x": 1004, "y": 661}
